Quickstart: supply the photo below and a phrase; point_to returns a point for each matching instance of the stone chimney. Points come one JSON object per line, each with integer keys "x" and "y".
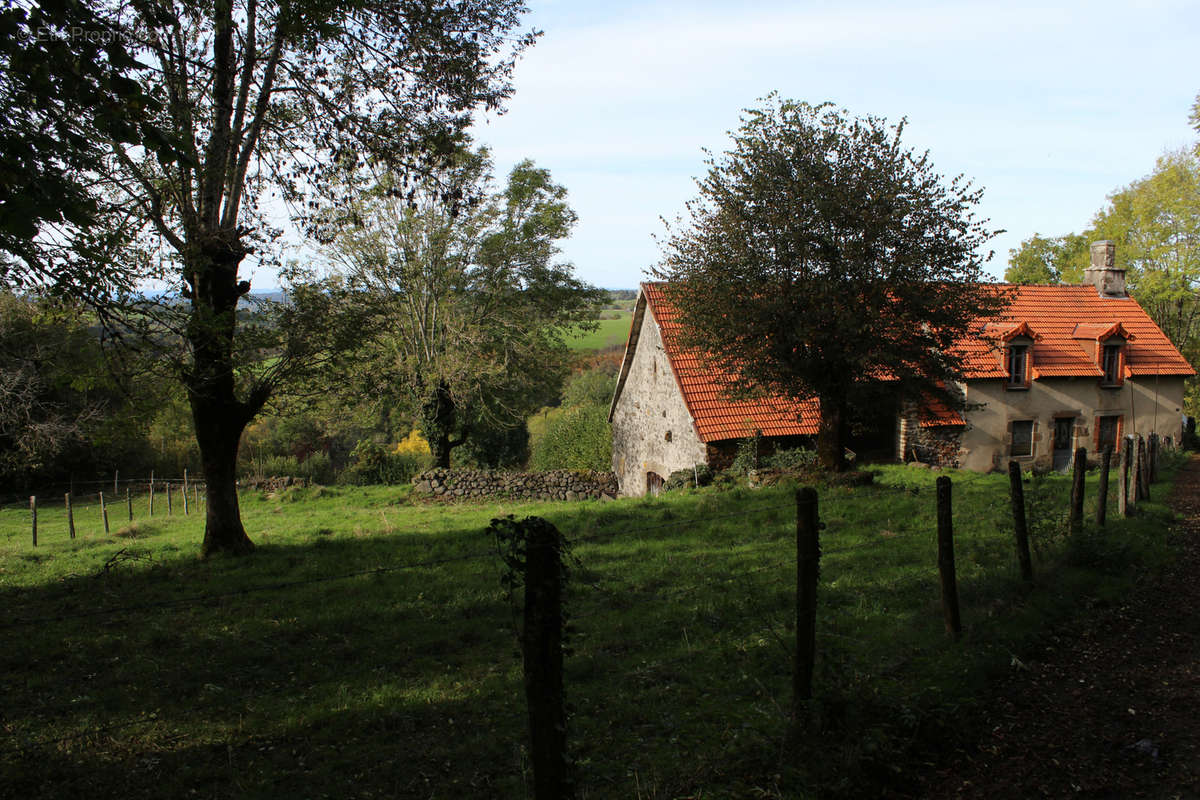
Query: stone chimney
{"x": 1108, "y": 279}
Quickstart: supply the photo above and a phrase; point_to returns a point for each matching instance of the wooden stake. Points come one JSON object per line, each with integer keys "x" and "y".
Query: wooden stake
{"x": 129, "y": 503}
{"x": 33, "y": 516}
{"x": 104, "y": 512}
{"x": 1075, "y": 520}
{"x": 183, "y": 491}
{"x": 152, "y": 493}
{"x": 70, "y": 515}
{"x": 1124, "y": 499}
{"x": 808, "y": 567}
{"x": 168, "y": 493}
{"x": 1102, "y": 498}
{"x": 945, "y": 533}
{"x": 1016, "y": 491}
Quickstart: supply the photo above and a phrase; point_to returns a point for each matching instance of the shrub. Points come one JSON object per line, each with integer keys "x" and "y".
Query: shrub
{"x": 578, "y": 438}
{"x": 317, "y": 468}
{"x": 593, "y": 386}
{"x": 797, "y": 459}
{"x": 699, "y": 475}
{"x": 371, "y": 463}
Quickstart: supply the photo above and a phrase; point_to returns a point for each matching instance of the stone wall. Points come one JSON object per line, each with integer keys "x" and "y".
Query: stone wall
{"x": 559, "y": 484}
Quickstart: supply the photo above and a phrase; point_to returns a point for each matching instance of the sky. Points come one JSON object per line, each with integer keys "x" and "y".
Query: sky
{"x": 1049, "y": 106}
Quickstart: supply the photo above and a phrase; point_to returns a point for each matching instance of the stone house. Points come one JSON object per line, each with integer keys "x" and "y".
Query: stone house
{"x": 1063, "y": 367}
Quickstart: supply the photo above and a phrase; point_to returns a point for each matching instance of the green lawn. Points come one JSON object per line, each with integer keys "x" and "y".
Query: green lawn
{"x": 367, "y": 648}
{"x": 610, "y": 333}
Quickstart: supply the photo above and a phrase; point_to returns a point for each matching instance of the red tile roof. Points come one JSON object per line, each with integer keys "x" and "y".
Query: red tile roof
{"x": 717, "y": 417}
{"x": 1057, "y": 318}
{"x": 1061, "y": 318}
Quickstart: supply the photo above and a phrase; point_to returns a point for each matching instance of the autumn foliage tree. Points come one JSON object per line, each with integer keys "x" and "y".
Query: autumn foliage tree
{"x": 825, "y": 260}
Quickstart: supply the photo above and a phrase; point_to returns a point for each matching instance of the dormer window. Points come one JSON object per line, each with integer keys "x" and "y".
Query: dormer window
{"x": 1015, "y": 351}
{"x": 1018, "y": 366}
{"x": 1112, "y": 364}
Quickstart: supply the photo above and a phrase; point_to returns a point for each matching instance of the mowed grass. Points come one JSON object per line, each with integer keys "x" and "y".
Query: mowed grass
{"x": 610, "y": 333}
{"x": 367, "y": 648}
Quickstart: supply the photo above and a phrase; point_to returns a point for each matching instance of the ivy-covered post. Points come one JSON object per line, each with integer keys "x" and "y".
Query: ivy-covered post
{"x": 533, "y": 550}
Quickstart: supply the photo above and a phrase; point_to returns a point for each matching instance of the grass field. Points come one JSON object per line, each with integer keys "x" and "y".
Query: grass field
{"x": 367, "y": 648}
{"x": 611, "y": 333}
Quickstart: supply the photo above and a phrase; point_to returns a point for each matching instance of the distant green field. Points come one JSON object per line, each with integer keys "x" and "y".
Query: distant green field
{"x": 611, "y": 333}
{"x": 367, "y": 648}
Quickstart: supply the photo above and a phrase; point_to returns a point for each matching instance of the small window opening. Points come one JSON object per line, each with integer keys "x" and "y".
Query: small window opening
{"x": 1112, "y": 365}
{"x": 1022, "y": 438}
{"x": 1018, "y": 366}
{"x": 1108, "y": 433}
{"x": 668, "y": 436}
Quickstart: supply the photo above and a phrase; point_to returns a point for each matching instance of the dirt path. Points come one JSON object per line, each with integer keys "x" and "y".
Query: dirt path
{"x": 1109, "y": 710}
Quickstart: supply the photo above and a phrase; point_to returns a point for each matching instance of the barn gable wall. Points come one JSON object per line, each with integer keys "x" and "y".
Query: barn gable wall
{"x": 652, "y": 428}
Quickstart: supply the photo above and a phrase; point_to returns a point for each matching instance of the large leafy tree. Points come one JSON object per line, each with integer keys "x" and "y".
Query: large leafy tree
{"x": 825, "y": 260}
{"x": 1048, "y": 259}
{"x": 471, "y": 305}
{"x": 260, "y": 101}
{"x": 68, "y": 87}
{"x": 1155, "y": 222}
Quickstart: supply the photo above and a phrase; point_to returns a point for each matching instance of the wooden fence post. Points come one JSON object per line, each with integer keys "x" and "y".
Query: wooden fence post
{"x": 152, "y": 493}
{"x": 129, "y": 502}
{"x": 1102, "y": 491}
{"x": 33, "y": 516}
{"x": 1125, "y": 501}
{"x": 116, "y": 481}
{"x": 808, "y": 569}
{"x": 945, "y": 534}
{"x": 544, "y": 661}
{"x": 183, "y": 492}
{"x": 1154, "y": 458}
{"x": 1143, "y": 470}
{"x": 104, "y": 512}
{"x": 168, "y": 494}
{"x": 70, "y": 515}
{"x": 1020, "y": 528}
{"x": 1075, "y": 519}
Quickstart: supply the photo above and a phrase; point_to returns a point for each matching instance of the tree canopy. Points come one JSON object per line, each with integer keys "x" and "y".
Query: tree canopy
{"x": 824, "y": 259}
{"x": 257, "y": 104}
{"x": 471, "y": 305}
{"x": 69, "y": 85}
{"x": 1053, "y": 259}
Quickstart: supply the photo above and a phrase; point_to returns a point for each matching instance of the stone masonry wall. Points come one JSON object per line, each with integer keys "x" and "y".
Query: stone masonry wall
{"x": 559, "y": 484}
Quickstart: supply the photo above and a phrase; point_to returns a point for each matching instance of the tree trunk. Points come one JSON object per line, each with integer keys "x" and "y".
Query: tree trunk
{"x": 831, "y": 452}
{"x": 219, "y": 416}
{"x": 438, "y": 420}
{"x": 218, "y": 440}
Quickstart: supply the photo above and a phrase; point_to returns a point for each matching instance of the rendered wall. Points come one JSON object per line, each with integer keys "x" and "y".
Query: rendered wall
{"x": 1147, "y": 405}
{"x": 649, "y": 408}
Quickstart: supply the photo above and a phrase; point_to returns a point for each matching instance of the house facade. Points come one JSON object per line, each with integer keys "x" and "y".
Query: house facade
{"x": 1063, "y": 367}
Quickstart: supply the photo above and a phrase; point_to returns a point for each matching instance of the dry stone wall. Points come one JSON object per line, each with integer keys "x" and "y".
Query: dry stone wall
{"x": 555, "y": 485}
